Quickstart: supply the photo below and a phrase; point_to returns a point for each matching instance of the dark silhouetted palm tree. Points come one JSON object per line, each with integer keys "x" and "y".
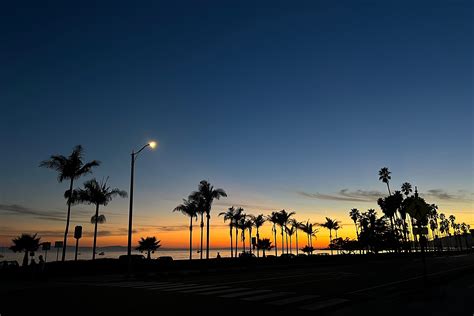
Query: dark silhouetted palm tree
{"x": 330, "y": 224}
{"x": 249, "y": 225}
{"x": 274, "y": 219}
{"x": 407, "y": 188}
{"x": 258, "y": 222}
{"x": 239, "y": 213}
{"x": 97, "y": 194}
{"x": 25, "y": 243}
{"x": 355, "y": 215}
{"x": 242, "y": 225}
{"x": 283, "y": 218}
{"x": 189, "y": 208}
{"x": 207, "y": 192}
{"x": 264, "y": 245}
{"x": 297, "y": 225}
{"x": 148, "y": 245}
{"x": 384, "y": 176}
{"x": 69, "y": 168}
{"x": 290, "y": 230}
{"x": 229, "y": 215}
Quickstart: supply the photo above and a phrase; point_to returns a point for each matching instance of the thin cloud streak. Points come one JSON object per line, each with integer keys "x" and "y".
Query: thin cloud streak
{"x": 345, "y": 195}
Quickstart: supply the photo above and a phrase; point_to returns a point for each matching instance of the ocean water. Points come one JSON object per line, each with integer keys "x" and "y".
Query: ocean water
{"x": 86, "y": 254}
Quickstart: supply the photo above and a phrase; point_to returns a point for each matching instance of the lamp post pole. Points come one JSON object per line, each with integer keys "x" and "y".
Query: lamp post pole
{"x": 130, "y": 210}
{"x": 130, "y": 213}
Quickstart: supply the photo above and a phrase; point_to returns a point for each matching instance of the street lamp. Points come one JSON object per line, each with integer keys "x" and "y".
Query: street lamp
{"x": 134, "y": 154}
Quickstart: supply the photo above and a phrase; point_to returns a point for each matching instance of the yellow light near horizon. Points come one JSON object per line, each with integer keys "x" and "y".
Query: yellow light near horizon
{"x": 152, "y": 144}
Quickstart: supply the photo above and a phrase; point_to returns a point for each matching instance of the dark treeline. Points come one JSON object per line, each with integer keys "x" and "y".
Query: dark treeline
{"x": 404, "y": 226}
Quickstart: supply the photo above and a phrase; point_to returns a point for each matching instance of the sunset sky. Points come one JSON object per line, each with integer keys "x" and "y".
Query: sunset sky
{"x": 283, "y": 105}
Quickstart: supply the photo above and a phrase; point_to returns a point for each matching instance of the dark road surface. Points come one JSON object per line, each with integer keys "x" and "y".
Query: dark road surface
{"x": 366, "y": 287}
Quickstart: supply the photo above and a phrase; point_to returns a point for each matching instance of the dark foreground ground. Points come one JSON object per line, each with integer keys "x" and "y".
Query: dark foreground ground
{"x": 330, "y": 286}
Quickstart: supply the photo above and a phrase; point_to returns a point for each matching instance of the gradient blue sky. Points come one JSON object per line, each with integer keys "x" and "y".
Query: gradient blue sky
{"x": 272, "y": 101}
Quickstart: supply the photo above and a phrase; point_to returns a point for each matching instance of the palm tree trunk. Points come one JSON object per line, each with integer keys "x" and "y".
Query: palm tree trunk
{"x": 282, "y": 241}
{"x": 231, "y": 246}
{"x": 291, "y": 251}
{"x": 208, "y": 216}
{"x": 296, "y": 241}
{"x": 202, "y": 232}
{"x": 67, "y": 220}
{"x": 243, "y": 240}
{"x": 149, "y": 255}
{"x": 388, "y": 187}
{"x": 250, "y": 240}
{"x": 330, "y": 240}
{"x": 275, "y": 237}
{"x": 191, "y": 238}
{"x": 286, "y": 235}
{"x": 25, "y": 259}
{"x": 236, "y": 240}
{"x": 95, "y": 231}
{"x": 258, "y": 238}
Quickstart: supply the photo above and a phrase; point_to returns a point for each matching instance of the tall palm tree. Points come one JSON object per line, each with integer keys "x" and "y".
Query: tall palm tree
{"x": 242, "y": 225}
{"x": 97, "y": 194}
{"x": 330, "y": 224}
{"x": 148, "y": 245}
{"x": 239, "y": 213}
{"x": 407, "y": 188}
{"x": 297, "y": 225}
{"x": 452, "y": 221}
{"x": 290, "y": 230}
{"x": 69, "y": 168}
{"x": 310, "y": 231}
{"x": 229, "y": 215}
{"x": 384, "y": 176}
{"x": 189, "y": 208}
{"x": 249, "y": 225}
{"x": 258, "y": 222}
{"x": 355, "y": 215}
{"x": 274, "y": 219}
{"x": 25, "y": 243}
{"x": 283, "y": 218}
{"x": 208, "y": 194}
{"x": 264, "y": 244}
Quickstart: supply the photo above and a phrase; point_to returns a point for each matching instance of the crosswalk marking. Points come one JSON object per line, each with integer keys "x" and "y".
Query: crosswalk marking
{"x": 266, "y": 296}
{"x": 248, "y": 293}
{"x": 120, "y": 283}
{"x": 295, "y": 299}
{"x": 129, "y": 284}
{"x": 183, "y": 287}
{"x": 166, "y": 286}
{"x": 205, "y": 288}
{"x": 148, "y": 284}
{"x": 324, "y": 304}
{"x": 224, "y": 291}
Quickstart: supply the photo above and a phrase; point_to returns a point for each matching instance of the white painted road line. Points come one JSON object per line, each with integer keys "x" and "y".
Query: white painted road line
{"x": 295, "y": 299}
{"x": 184, "y": 287}
{"x": 225, "y": 291}
{"x": 203, "y": 288}
{"x": 248, "y": 293}
{"x": 324, "y": 304}
{"x": 266, "y": 296}
{"x": 168, "y": 286}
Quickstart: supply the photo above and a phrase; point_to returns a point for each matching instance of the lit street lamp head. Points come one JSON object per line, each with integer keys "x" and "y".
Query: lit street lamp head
{"x": 152, "y": 144}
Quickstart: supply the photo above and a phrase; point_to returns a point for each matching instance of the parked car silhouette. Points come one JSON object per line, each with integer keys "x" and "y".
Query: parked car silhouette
{"x": 246, "y": 255}
{"x": 165, "y": 259}
{"x": 9, "y": 265}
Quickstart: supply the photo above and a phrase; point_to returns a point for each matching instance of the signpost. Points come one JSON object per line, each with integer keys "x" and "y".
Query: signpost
{"x": 46, "y": 247}
{"x": 77, "y": 236}
{"x": 58, "y": 245}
